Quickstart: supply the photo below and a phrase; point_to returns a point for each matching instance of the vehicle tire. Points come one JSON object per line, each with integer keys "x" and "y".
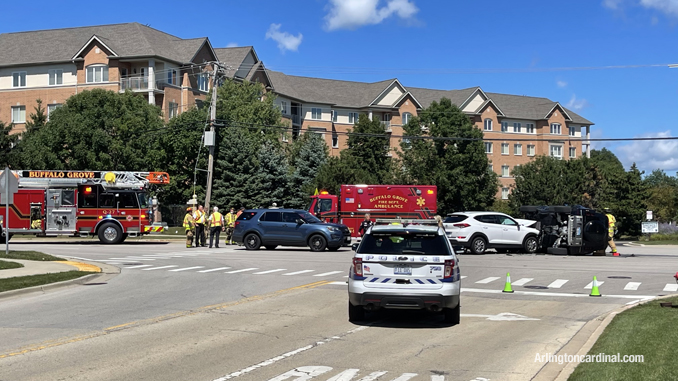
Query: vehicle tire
{"x": 110, "y": 233}
{"x": 124, "y": 237}
{"x": 334, "y": 248}
{"x": 478, "y": 245}
{"x": 317, "y": 243}
{"x": 271, "y": 247}
{"x": 452, "y": 315}
{"x": 355, "y": 313}
{"x": 252, "y": 242}
{"x": 530, "y": 245}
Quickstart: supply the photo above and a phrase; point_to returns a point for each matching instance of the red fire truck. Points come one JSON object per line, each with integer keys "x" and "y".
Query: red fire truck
{"x": 110, "y": 204}
{"x": 380, "y": 201}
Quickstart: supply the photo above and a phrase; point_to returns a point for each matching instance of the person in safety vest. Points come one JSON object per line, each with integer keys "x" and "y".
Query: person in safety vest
{"x": 189, "y": 224}
{"x": 611, "y": 225}
{"x": 216, "y": 222}
{"x": 200, "y": 218}
{"x": 230, "y": 226}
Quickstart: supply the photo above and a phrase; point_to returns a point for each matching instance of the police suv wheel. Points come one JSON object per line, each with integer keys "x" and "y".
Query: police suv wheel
{"x": 317, "y": 243}
{"x": 452, "y": 315}
{"x": 355, "y": 313}
{"x": 252, "y": 242}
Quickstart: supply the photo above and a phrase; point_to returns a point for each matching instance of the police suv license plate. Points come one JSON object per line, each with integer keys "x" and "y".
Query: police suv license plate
{"x": 402, "y": 270}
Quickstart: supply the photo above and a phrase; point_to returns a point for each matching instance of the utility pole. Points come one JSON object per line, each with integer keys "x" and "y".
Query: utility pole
{"x": 213, "y": 116}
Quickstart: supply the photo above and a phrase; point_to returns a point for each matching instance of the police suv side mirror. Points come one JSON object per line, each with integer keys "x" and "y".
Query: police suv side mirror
{"x": 354, "y": 247}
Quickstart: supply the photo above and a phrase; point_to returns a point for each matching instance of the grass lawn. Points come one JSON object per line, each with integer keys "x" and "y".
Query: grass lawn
{"x": 4, "y": 265}
{"x": 657, "y": 242}
{"x": 30, "y": 256}
{"x": 648, "y": 330}
{"x": 16, "y": 283}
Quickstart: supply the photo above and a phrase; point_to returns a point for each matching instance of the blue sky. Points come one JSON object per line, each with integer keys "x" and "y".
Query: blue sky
{"x": 524, "y": 47}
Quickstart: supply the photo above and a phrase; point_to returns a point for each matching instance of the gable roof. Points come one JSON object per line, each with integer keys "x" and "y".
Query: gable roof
{"x": 234, "y": 57}
{"x": 531, "y": 108}
{"x": 125, "y": 40}
{"x": 427, "y": 96}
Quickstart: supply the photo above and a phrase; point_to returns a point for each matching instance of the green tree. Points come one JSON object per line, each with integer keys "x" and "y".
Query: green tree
{"x": 454, "y": 161}
{"x": 7, "y": 143}
{"x": 631, "y": 205}
{"x": 309, "y": 154}
{"x": 38, "y": 119}
{"x": 235, "y": 169}
{"x": 543, "y": 181}
{"x": 662, "y": 195}
{"x": 272, "y": 178}
{"x": 659, "y": 177}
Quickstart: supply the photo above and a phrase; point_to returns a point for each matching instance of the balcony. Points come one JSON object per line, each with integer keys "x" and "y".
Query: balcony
{"x": 139, "y": 83}
{"x": 387, "y": 125}
{"x": 296, "y": 119}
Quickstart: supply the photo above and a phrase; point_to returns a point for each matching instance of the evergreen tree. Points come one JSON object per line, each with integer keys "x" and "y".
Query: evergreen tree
{"x": 631, "y": 206}
{"x": 272, "y": 178}
{"x": 309, "y": 154}
{"x": 38, "y": 119}
{"x": 7, "y": 143}
{"x": 235, "y": 169}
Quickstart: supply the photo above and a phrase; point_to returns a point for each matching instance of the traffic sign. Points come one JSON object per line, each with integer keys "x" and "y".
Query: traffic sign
{"x": 650, "y": 227}
{"x": 13, "y": 186}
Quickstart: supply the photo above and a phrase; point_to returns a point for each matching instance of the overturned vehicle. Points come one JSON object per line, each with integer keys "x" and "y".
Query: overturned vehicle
{"x": 573, "y": 230}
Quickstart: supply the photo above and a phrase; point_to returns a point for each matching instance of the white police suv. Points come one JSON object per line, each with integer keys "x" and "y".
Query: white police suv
{"x": 404, "y": 264}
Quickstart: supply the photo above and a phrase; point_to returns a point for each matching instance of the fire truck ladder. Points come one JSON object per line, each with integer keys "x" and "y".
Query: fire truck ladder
{"x": 107, "y": 179}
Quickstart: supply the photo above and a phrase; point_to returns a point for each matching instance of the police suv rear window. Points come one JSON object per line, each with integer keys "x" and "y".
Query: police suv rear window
{"x": 404, "y": 243}
{"x": 247, "y": 216}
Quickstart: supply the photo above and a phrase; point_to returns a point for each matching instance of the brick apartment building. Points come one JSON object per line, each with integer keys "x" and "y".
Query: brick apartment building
{"x": 172, "y": 73}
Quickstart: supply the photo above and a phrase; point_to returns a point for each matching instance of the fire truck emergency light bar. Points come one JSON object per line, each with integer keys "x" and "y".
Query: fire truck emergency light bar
{"x": 111, "y": 179}
{"x": 405, "y": 221}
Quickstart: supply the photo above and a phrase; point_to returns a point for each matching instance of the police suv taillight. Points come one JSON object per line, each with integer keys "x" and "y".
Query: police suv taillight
{"x": 449, "y": 266}
{"x": 358, "y": 266}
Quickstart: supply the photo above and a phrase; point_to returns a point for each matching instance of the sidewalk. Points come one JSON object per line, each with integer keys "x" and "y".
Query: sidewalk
{"x": 45, "y": 267}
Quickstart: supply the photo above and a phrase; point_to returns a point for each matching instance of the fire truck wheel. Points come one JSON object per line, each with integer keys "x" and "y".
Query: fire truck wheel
{"x": 110, "y": 233}
{"x": 124, "y": 237}
{"x": 252, "y": 242}
{"x": 317, "y": 243}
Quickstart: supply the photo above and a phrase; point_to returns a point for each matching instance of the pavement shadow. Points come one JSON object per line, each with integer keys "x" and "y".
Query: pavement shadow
{"x": 405, "y": 319}
{"x": 85, "y": 243}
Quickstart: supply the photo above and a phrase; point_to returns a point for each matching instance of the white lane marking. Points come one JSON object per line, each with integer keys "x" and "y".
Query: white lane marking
{"x": 405, "y": 377}
{"x": 217, "y": 269}
{"x": 344, "y": 283}
{"x": 161, "y": 267}
{"x": 522, "y": 282}
{"x": 632, "y": 286}
{"x": 290, "y": 354}
{"x": 137, "y": 266}
{"x": 504, "y": 316}
{"x": 346, "y": 375}
{"x": 437, "y": 377}
{"x": 590, "y": 285}
{"x": 132, "y": 259}
{"x": 488, "y": 280}
{"x": 558, "y": 283}
{"x": 463, "y": 276}
{"x": 329, "y": 273}
{"x": 373, "y": 376}
{"x": 536, "y": 293}
{"x": 188, "y": 268}
{"x": 671, "y": 287}
{"x": 242, "y": 270}
{"x": 300, "y": 272}
{"x": 303, "y": 373}
{"x": 632, "y": 302}
{"x": 269, "y": 271}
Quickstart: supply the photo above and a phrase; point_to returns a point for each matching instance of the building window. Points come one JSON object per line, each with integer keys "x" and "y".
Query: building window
{"x": 56, "y": 77}
{"x": 529, "y": 128}
{"x": 202, "y": 82}
{"x": 572, "y": 131}
{"x": 504, "y": 171}
{"x": 518, "y": 149}
{"x": 530, "y": 150}
{"x": 51, "y": 108}
{"x": 173, "y": 109}
{"x": 488, "y": 125}
{"x": 504, "y": 148}
{"x": 283, "y": 107}
{"x": 406, "y": 118}
{"x": 19, "y": 79}
{"x": 516, "y": 127}
{"x": 555, "y": 128}
{"x": 353, "y": 117}
{"x": 504, "y": 126}
{"x": 316, "y": 113}
{"x": 172, "y": 77}
{"x": 18, "y": 114}
{"x": 335, "y": 138}
{"x": 573, "y": 152}
{"x": 334, "y": 116}
{"x": 97, "y": 73}
{"x": 504, "y": 193}
{"x": 490, "y": 167}
{"x": 488, "y": 147}
{"x": 557, "y": 152}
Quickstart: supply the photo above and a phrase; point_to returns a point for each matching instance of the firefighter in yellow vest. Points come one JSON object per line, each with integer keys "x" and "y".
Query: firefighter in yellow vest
{"x": 216, "y": 222}
{"x": 230, "y": 226}
{"x": 189, "y": 224}
{"x": 611, "y": 221}
{"x": 200, "y": 219}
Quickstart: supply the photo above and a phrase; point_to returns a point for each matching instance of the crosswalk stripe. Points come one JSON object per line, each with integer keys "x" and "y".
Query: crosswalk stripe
{"x": 137, "y": 266}
{"x": 488, "y": 280}
{"x": 188, "y": 268}
{"x": 161, "y": 267}
{"x": 269, "y": 271}
{"x": 632, "y": 286}
{"x": 242, "y": 270}
{"x": 671, "y": 287}
{"x": 590, "y": 285}
{"x": 558, "y": 283}
{"x": 405, "y": 377}
{"x": 217, "y": 269}
{"x": 300, "y": 272}
{"x": 329, "y": 273}
{"x": 522, "y": 282}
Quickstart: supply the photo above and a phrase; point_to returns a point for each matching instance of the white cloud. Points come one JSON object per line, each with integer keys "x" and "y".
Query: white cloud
{"x": 612, "y": 4}
{"x": 232, "y": 45}
{"x": 669, "y": 7}
{"x": 352, "y": 14}
{"x": 577, "y": 104}
{"x": 561, "y": 84}
{"x": 285, "y": 40}
{"x": 651, "y": 154}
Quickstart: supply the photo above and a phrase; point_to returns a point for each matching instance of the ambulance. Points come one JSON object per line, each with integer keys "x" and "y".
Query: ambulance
{"x": 111, "y": 205}
{"x": 380, "y": 201}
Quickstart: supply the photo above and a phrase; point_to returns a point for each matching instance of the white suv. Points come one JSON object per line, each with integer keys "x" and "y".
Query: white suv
{"x": 408, "y": 264}
{"x": 479, "y": 231}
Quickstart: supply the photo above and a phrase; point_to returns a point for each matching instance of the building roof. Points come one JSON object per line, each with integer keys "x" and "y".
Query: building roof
{"x": 427, "y": 96}
{"x": 531, "y": 108}
{"x": 126, "y": 40}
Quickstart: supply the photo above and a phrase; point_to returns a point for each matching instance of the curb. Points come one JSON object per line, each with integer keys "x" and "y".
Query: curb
{"x": 584, "y": 340}
{"x": 106, "y": 273}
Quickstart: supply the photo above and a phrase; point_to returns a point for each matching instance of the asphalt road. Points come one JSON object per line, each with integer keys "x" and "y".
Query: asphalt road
{"x": 200, "y": 314}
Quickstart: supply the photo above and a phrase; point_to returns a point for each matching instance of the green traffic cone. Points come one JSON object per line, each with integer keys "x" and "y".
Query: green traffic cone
{"x": 594, "y": 287}
{"x": 507, "y": 286}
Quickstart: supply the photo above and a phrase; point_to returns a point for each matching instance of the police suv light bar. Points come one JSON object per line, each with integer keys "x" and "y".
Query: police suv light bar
{"x": 405, "y": 221}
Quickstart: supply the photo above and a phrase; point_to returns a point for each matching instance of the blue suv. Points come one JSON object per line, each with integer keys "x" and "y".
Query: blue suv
{"x": 288, "y": 227}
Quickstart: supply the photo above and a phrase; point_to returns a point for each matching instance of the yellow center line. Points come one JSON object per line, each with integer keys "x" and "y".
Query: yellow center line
{"x": 105, "y": 331}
